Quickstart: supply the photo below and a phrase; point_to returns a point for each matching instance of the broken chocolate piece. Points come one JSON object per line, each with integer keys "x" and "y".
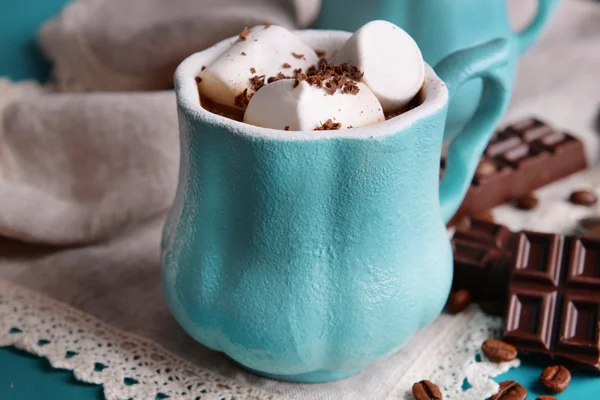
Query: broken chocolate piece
{"x": 519, "y": 159}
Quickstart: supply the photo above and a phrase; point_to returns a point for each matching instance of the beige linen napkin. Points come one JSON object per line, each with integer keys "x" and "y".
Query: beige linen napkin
{"x": 76, "y": 168}
{"x": 136, "y": 44}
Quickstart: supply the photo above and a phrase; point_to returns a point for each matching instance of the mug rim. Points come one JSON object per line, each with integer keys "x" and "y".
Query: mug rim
{"x": 188, "y": 97}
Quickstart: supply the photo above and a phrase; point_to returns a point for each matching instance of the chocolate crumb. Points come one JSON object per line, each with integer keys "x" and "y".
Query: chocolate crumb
{"x": 279, "y": 77}
{"x": 329, "y": 125}
{"x": 350, "y": 88}
{"x": 320, "y": 53}
{"x": 286, "y": 65}
{"x": 242, "y": 99}
{"x": 333, "y": 77}
{"x": 198, "y": 79}
{"x": 287, "y": 128}
{"x": 243, "y": 53}
{"x": 297, "y": 71}
{"x": 298, "y": 56}
{"x": 256, "y": 82}
{"x": 267, "y": 25}
{"x": 244, "y": 34}
{"x": 252, "y": 70}
{"x": 203, "y": 68}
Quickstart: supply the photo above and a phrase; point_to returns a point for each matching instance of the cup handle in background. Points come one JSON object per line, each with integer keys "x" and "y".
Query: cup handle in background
{"x": 485, "y": 61}
{"x": 529, "y": 35}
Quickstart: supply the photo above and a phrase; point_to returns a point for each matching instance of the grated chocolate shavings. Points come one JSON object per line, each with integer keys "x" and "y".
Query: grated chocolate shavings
{"x": 242, "y": 99}
{"x": 198, "y": 79}
{"x": 267, "y": 25}
{"x": 350, "y": 87}
{"x": 329, "y": 125}
{"x": 243, "y": 53}
{"x": 297, "y": 71}
{"x": 252, "y": 70}
{"x": 203, "y": 68}
{"x": 244, "y": 34}
{"x": 279, "y": 77}
{"x": 287, "y": 128}
{"x": 298, "y": 56}
{"x": 342, "y": 77}
{"x": 256, "y": 82}
{"x": 320, "y": 53}
{"x": 286, "y": 65}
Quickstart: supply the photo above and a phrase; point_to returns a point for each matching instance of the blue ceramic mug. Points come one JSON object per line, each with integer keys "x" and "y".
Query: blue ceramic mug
{"x": 306, "y": 256}
{"x": 441, "y": 27}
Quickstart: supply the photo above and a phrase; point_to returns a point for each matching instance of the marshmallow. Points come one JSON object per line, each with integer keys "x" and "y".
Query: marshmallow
{"x": 266, "y": 50}
{"x": 390, "y": 59}
{"x": 307, "y": 107}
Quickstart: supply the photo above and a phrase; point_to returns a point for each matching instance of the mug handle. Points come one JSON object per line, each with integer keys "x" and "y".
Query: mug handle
{"x": 484, "y": 61}
{"x": 529, "y": 35}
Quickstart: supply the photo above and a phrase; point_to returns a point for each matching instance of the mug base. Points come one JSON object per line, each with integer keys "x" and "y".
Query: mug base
{"x": 309, "y": 377}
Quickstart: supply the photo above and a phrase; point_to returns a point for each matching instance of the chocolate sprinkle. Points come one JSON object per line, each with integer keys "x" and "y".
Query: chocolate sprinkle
{"x": 242, "y": 99}
{"x": 287, "y": 128}
{"x": 329, "y": 125}
{"x": 256, "y": 82}
{"x": 286, "y": 65}
{"x": 332, "y": 77}
{"x": 298, "y": 56}
{"x": 279, "y": 77}
{"x": 244, "y": 34}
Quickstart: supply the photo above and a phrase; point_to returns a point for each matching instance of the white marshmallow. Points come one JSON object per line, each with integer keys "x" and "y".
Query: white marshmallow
{"x": 265, "y": 50}
{"x": 390, "y": 59}
{"x": 306, "y": 107}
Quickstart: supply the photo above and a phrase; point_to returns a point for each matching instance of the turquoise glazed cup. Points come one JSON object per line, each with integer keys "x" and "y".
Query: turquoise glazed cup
{"x": 307, "y": 256}
{"x": 441, "y": 27}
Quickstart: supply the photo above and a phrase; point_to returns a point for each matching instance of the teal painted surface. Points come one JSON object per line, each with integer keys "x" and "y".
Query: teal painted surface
{"x": 583, "y": 385}
{"x": 441, "y": 27}
{"x": 309, "y": 259}
{"x": 26, "y": 377}
{"x": 20, "y": 20}
{"x": 34, "y": 378}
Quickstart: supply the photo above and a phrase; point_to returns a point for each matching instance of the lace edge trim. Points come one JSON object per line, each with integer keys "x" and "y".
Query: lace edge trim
{"x": 200, "y": 383}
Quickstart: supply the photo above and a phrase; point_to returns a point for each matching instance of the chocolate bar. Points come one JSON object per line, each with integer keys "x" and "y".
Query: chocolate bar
{"x": 554, "y": 297}
{"x": 546, "y": 285}
{"x": 519, "y": 159}
{"x": 483, "y": 253}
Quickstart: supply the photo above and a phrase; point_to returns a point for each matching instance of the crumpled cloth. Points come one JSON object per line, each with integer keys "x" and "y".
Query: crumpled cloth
{"x": 87, "y": 179}
{"x": 127, "y": 45}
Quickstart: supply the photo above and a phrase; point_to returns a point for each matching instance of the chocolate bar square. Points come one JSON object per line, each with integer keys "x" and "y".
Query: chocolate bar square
{"x": 554, "y": 297}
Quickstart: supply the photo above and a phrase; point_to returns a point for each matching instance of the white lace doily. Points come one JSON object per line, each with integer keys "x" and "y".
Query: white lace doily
{"x": 128, "y": 366}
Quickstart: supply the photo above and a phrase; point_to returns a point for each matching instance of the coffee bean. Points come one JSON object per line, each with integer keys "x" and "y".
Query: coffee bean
{"x": 555, "y": 378}
{"x": 498, "y": 351}
{"x": 527, "y": 202}
{"x": 546, "y": 398}
{"x": 426, "y": 390}
{"x": 583, "y": 198}
{"x": 458, "y": 300}
{"x": 485, "y": 168}
{"x": 510, "y": 390}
